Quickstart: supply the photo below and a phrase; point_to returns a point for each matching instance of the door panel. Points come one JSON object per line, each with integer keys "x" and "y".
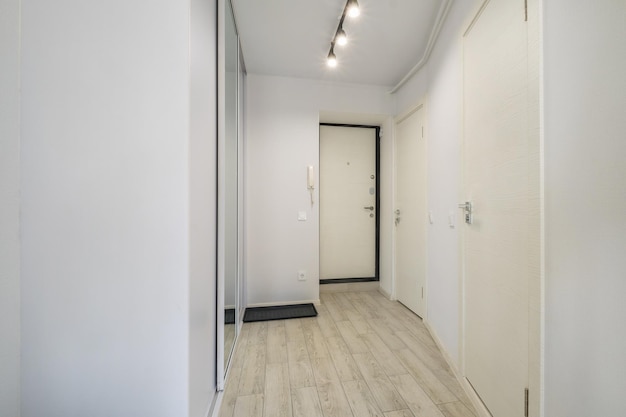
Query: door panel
{"x": 496, "y": 181}
{"x": 410, "y": 254}
{"x": 347, "y": 186}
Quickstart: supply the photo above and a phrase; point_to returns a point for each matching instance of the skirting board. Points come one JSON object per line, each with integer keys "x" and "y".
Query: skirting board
{"x": 214, "y": 407}
{"x": 350, "y": 286}
{"x": 284, "y": 303}
{"x": 469, "y": 391}
{"x": 385, "y": 293}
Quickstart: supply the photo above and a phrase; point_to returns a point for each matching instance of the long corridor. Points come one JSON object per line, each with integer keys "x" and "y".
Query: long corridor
{"x": 362, "y": 356}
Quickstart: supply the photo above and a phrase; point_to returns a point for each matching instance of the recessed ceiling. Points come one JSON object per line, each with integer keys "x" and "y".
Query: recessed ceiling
{"x": 292, "y": 38}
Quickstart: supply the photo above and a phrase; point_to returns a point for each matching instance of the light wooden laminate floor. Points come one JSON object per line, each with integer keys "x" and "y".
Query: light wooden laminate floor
{"x": 362, "y": 356}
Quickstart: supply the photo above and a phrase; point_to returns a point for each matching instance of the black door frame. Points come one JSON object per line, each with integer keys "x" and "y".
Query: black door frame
{"x": 377, "y": 241}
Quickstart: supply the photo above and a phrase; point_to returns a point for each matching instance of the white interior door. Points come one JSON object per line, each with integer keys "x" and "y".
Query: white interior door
{"x": 496, "y": 261}
{"x": 410, "y": 212}
{"x": 347, "y": 202}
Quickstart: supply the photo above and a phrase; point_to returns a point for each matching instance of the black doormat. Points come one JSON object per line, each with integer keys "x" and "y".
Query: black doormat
{"x": 294, "y": 311}
{"x": 229, "y": 316}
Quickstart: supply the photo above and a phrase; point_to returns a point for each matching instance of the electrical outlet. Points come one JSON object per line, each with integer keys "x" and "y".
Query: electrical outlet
{"x": 301, "y": 275}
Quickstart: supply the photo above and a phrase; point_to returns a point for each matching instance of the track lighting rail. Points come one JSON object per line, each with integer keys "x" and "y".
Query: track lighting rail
{"x": 351, "y": 9}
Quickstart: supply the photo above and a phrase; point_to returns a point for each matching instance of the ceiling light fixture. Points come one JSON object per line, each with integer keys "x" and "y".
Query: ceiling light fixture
{"x": 351, "y": 9}
{"x": 332, "y": 59}
{"x": 341, "y": 38}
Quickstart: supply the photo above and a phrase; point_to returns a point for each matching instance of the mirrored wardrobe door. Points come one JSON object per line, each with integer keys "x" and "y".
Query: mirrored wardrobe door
{"x": 228, "y": 192}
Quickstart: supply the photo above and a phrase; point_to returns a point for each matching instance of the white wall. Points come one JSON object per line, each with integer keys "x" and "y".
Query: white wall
{"x": 108, "y": 201}
{"x": 202, "y": 208}
{"x": 585, "y": 191}
{"x": 440, "y": 83}
{"x": 9, "y": 210}
{"x": 282, "y": 139}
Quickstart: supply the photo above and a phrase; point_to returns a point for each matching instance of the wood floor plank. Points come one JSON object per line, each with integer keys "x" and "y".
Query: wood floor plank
{"x": 351, "y": 337}
{"x": 231, "y": 393}
{"x": 358, "y": 321}
{"x": 300, "y": 370}
{"x": 400, "y": 413}
{"x": 277, "y": 401}
{"x": 386, "y": 334}
{"x": 361, "y": 400}
{"x": 335, "y": 312}
{"x": 456, "y": 409}
{"x": 333, "y": 400}
{"x": 385, "y": 394}
{"x": 431, "y": 356}
{"x": 369, "y": 366}
{"x": 257, "y": 332}
{"x": 315, "y": 341}
{"x": 435, "y": 389}
{"x": 306, "y": 402}
{"x": 346, "y": 368}
{"x": 276, "y": 343}
{"x": 367, "y": 311}
{"x": 249, "y": 406}
{"x": 415, "y": 397}
{"x": 324, "y": 371}
{"x": 327, "y": 325}
{"x": 301, "y": 374}
{"x": 252, "y": 380}
{"x": 293, "y": 331}
{"x": 297, "y": 351}
{"x": 383, "y": 354}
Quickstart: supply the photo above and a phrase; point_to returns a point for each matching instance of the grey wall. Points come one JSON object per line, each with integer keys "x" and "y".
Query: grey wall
{"x": 118, "y": 200}
{"x": 585, "y": 190}
{"x": 9, "y": 209}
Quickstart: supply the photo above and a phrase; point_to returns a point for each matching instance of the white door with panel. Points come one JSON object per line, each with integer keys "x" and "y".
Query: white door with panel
{"x": 347, "y": 202}
{"x": 499, "y": 183}
{"x": 410, "y": 211}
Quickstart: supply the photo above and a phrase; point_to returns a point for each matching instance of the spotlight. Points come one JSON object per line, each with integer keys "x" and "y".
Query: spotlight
{"x": 341, "y": 37}
{"x": 331, "y": 61}
{"x": 353, "y": 8}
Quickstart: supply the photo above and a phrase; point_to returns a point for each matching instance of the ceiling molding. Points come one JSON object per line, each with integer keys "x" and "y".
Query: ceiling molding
{"x": 441, "y": 17}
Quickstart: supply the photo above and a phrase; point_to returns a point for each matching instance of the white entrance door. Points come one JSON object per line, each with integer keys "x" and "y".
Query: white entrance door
{"x": 347, "y": 202}
{"x": 497, "y": 180}
{"x": 410, "y": 212}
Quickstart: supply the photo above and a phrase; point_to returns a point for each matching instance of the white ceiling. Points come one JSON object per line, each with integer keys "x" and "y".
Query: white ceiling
{"x": 292, "y": 38}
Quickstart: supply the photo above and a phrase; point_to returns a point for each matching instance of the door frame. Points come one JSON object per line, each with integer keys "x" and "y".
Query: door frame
{"x": 421, "y": 104}
{"x": 376, "y": 276}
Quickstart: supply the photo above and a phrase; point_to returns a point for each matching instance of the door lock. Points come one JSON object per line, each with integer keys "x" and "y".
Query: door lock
{"x": 467, "y": 210}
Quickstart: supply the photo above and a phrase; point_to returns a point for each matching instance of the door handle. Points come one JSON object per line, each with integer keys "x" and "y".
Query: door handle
{"x": 370, "y": 208}
{"x": 467, "y": 209}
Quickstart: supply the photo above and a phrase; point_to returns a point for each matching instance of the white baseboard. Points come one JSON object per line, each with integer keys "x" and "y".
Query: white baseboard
{"x": 385, "y": 293}
{"x": 214, "y": 409}
{"x": 350, "y": 287}
{"x": 469, "y": 391}
{"x": 284, "y": 303}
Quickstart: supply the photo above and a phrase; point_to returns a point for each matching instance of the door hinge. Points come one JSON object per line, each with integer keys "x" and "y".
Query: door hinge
{"x": 525, "y": 402}
{"x": 525, "y": 10}
{"x": 422, "y": 292}
{"x": 422, "y": 131}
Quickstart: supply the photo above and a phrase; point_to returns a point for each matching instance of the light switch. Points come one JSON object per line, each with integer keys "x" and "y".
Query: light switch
{"x": 302, "y": 216}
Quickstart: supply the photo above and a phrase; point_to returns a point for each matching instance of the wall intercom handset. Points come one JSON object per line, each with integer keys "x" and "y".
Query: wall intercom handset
{"x": 310, "y": 180}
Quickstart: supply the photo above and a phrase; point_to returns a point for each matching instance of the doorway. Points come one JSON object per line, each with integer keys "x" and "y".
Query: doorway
{"x": 410, "y": 211}
{"x": 349, "y": 201}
